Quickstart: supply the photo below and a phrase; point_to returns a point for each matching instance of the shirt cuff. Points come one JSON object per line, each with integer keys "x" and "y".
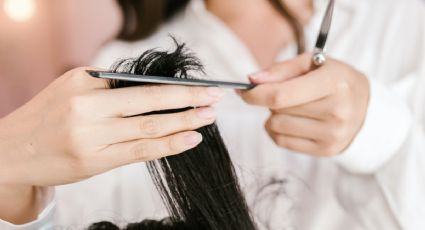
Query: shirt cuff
{"x": 44, "y": 220}
{"x": 385, "y": 129}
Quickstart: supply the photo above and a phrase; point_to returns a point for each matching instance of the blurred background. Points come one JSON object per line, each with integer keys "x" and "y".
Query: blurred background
{"x": 41, "y": 39}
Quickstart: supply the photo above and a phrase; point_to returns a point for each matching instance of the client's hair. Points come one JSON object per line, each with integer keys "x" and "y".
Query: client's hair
{"x": 199, "y": 187}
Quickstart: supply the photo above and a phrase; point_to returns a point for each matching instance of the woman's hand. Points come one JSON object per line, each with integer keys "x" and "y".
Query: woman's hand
{"x": 317, "y": 111}
{"x": 76, "y": 128}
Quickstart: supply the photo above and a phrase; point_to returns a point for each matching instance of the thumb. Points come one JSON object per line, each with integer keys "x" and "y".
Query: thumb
{"x": 283, "y": 71}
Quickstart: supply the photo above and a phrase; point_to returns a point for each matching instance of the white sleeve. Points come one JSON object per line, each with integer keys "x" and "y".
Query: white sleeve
{"x": 386, "y": 127}
{"x": 383, "y": 178}
{"x": 44, "y": 221}
{"x": 382, "y": 181}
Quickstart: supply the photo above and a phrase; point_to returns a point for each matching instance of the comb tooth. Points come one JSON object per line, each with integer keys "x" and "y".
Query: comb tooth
{"x": 168, "y": 80}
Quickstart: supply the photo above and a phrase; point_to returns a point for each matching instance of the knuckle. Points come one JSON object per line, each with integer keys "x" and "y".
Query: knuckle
{"x": 74, "y": 136}
{"x": 149, "y": 126}
{"x": 172, "y": 146}
{"x": 141, "y": 152}
{"x": 75, "y": 103}
{"x": 277, "y": 100}
{"x": 270, "y": 133}
{"x": 77, "y": 139}
{"x": 342, "y": 86}
{"x": 334, "y": 136}
{"x": 80, "y": 166}
{"x": 73, "y": 73}
{"x": 275, "y": 123}
{"x": 76, "y": 77}
{"x": 80, "y": 104}
{"x": 268, "y": 124}
{"x": 340, "y": 113}
{"x": 282, "y": 142}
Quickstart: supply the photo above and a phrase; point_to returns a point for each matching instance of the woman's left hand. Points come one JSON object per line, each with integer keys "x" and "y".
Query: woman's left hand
{"x": 314, "y": 110}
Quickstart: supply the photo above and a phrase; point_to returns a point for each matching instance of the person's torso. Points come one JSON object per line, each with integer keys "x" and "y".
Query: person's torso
{"x": 308, "y": 196}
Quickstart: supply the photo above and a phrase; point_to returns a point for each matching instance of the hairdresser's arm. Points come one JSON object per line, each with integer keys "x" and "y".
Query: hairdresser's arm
{"x": 76, "y": 129}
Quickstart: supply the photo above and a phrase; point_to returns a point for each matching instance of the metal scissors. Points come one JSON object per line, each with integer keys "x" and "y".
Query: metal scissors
{"x": 319, "y": 57}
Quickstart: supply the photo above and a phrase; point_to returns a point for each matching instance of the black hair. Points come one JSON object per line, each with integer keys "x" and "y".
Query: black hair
{"x": 199, "y": 187}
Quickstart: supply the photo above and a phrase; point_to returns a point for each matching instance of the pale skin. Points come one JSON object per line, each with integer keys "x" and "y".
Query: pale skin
{"x": 76, "y": 128}
{"x": 316, "y": 111}
{"x": 313, "y": 111}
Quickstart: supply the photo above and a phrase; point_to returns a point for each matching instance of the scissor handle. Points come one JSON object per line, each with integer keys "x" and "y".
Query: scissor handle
{"x": 319, "y": 57}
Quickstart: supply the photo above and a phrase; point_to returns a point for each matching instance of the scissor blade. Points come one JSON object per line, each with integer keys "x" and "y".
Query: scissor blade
{"x": 326, "y": 26}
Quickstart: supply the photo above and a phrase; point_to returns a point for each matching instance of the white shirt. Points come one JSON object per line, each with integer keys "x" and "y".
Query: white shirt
{"x": 377, "y": 183}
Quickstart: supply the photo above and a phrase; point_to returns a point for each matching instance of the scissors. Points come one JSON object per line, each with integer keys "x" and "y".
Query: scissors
{"x": 319, "y": 57}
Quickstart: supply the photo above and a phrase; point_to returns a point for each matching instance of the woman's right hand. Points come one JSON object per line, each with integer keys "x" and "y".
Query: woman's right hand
{"x": 77, "y": 128}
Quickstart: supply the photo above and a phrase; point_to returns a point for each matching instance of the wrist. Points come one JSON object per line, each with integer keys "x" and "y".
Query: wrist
{"x": 19, "y": 203}
{"x": 12, "y": 150}
{"x": 7, "y": 169}
{"x": 387, "y": 125}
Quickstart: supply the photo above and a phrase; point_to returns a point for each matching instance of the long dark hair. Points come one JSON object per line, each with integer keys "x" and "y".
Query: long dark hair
{"x": 199, "y": 187}
{"x": 143, "y": 17}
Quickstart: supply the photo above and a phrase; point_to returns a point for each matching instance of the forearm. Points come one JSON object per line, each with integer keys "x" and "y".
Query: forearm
{"x": 18, "y": 202}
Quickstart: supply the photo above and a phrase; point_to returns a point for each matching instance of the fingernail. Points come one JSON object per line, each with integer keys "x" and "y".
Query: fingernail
{"x": 215, "y": 92}
{"x": 259, "y": 75}
{"x": 206, "y": 113}
{"x": 193, "y": 139}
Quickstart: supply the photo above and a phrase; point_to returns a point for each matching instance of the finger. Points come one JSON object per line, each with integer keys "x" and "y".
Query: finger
{"x": 283, "y": 71}
{"x": 132, "y": 101}
{"x": 150, "y": 149}
{"x": 79, "y": 78}
{"x": 155, "y": 126}
{"x": 298, "y": 91}
{"x": 318, "y": 110}
{"x": 289, "y": 125}
{"x": 296, "y": 144}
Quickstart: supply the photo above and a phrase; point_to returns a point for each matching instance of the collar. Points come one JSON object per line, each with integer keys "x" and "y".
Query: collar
{"x": 216, "y": 32}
